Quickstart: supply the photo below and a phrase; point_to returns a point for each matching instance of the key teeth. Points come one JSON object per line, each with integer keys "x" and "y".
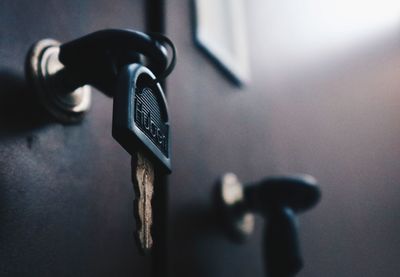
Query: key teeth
{"x": 138, "y": 226}
{"x": 142, "y": 211}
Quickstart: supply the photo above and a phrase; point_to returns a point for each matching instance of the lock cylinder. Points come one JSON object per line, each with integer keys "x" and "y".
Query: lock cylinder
{"x": 64, "y": 97}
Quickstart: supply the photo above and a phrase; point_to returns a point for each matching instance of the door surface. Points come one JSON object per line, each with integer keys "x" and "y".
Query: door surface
{"x": 323, "y": 99}
{"x": 65, "y": 194}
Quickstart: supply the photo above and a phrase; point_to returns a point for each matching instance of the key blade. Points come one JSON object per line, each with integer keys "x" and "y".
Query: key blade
{"x": 143, "y": 183}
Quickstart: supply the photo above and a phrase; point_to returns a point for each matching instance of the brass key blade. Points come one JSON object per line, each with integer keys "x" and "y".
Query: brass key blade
{"x": 143, "y": 184}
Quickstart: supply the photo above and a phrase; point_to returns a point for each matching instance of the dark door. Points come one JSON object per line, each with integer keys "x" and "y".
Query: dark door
{"x": 333, "y": 112}
{"x": 65, "y": 194}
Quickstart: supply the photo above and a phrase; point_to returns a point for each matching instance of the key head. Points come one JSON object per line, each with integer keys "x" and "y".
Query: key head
{"x": 140, "y": 116}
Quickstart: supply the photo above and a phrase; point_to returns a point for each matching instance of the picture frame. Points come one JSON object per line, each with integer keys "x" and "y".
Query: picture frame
{"x": 220, "y": 33}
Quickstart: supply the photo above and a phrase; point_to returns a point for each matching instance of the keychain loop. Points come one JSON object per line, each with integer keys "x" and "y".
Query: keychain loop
{"x": 166, "y": 41}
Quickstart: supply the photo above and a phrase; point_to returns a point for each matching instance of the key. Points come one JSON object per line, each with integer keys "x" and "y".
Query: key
{"x": 141, "y": 126}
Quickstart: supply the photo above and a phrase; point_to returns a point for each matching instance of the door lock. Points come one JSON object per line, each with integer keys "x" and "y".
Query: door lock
{"x": 277, "y": 199}
{"x": 59, "y": 73}
{"x": 63, "y": 97}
